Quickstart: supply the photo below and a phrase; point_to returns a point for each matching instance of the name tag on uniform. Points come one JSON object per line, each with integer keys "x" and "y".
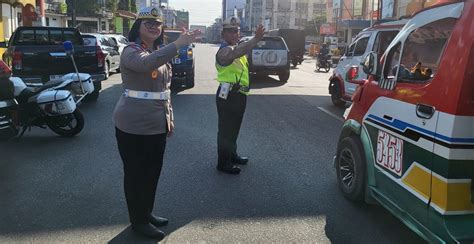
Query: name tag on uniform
{"x": 224, "y": 92}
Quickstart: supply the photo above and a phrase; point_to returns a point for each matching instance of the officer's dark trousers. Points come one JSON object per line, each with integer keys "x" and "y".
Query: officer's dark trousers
{"x": 231, "y": 113}
{"x": 142, "y": 157}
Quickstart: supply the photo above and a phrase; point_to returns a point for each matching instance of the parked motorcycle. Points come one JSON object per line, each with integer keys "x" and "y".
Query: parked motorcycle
{"x": 323, "y": 62}
{"x": 79, "y": 84}
{"x": 23, "y": 107}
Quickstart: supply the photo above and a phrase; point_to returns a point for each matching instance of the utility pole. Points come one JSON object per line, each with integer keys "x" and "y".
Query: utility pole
{"x": 73, "y": 13}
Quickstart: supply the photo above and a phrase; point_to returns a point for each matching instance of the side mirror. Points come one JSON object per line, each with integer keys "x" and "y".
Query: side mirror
{"x": 369, "y": 63}
{"x": 68, "y": 47}
{"x": 4, "y": 44}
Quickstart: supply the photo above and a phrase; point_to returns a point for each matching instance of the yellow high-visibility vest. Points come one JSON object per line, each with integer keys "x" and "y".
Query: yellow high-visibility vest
{"x": 238, "y": 70}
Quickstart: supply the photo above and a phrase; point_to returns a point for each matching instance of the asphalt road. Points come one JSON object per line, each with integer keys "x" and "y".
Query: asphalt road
{"x": 69, "y": 190}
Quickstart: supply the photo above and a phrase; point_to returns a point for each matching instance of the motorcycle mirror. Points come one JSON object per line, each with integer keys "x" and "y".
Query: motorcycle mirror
{"x": 68, "y": 47}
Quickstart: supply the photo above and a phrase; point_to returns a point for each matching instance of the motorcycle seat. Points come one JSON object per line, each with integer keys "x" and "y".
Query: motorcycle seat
{"x": 29, "y": 92}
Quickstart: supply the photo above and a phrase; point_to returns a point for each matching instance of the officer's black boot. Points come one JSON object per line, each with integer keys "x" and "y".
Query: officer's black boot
{"x": 229, "y": 169}
{"x": 240, "y": 160}
{"x": 225, "y": 165}
{"x": 148, "y": 230}
{"x": 158, "y": 221}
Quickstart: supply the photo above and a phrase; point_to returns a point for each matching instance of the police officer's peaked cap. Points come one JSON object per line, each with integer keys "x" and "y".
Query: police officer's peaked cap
{"x": 151, "y": 13}
{"x": 231, "y": 22}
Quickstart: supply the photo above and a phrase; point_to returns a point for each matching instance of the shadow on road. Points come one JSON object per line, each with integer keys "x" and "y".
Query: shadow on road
{"x": 128, "y": 236}
{"x": 77, "y": 184}
{"x": 261, "y": 81}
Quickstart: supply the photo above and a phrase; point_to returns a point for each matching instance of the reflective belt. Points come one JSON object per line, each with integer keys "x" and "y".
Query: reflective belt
{"x": 147, "y": 95}
{"x": 234, "y": 87}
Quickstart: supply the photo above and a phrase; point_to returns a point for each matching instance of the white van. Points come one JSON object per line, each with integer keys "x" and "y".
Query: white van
{"x": 372, "y": 39}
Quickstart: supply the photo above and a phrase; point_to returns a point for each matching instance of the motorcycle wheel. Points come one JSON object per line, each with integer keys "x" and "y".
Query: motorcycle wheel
{"x": 67, "y": 125}
{"x": 327, "y": 69}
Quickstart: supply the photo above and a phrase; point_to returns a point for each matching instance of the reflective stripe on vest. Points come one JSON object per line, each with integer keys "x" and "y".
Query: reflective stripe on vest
{"x": 234, "y": 72}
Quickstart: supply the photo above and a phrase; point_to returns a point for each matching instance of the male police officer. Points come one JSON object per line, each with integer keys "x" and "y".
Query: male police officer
{"x": 231, "y": 98}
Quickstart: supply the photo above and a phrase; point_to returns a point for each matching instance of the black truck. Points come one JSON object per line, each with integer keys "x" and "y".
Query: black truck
{"x": 295, "y": 40}
{"x": 36, "y": 55}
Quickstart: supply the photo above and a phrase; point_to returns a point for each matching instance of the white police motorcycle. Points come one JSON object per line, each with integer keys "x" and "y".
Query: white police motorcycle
{"x": 51, "y": 104}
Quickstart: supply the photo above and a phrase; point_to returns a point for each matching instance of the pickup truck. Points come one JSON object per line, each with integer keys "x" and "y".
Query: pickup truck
{"x": 36, "y": 55}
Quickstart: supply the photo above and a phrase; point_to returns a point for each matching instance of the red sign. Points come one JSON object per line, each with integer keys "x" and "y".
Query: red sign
{"x": 327, "y": 29}
{"x": 375, "y": 14}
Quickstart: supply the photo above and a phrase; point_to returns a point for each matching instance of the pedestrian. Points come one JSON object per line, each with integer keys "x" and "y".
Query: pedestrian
{"x": 143, "y": 115}
{"x": 231, "y": 97}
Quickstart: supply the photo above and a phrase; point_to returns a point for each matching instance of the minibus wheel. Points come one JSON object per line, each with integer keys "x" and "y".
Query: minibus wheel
{"x": 351, "y": 168}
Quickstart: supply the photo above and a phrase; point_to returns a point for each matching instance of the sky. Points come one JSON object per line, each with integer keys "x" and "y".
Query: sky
{"x": 201, "y": 12}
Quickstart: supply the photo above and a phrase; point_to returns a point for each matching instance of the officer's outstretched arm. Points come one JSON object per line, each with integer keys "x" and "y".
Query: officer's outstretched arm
{"x": 138, "y": 60}
{"x": 225, "y": 56}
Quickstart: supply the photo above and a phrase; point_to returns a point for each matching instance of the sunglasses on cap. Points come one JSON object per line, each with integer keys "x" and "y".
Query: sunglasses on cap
{"x": 152, "y": 24}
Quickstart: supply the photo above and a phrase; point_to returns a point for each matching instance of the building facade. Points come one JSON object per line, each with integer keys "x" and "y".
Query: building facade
{"x": 213, "y": 32}
{"x": 182, "y": 19}
{"x": 349, "y": 17}
{"x": 16, "y": 13}
{"x": 235, "y": 8}
{"x": 202, "y": 28}
{"x": 293, "y": 14}
{"x": 232, "y": 8}
{"x": 55, "y": 14}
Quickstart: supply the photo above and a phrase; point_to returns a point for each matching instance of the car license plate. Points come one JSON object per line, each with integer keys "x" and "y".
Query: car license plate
{"x": 55, "y": 77}
{"x": 176, "y": 61}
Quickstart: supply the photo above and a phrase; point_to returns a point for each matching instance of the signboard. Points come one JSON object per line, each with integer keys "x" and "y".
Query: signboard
{"x": 327, "y": 29}
{"x": 358, "y": 7}
{"x": 336, "y": 4}
{"x": 387, "y": 8}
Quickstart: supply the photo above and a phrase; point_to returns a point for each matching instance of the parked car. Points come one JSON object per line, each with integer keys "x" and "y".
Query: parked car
{"x": 121, "y": 41}
{"x": 182, "y": 64}
{"x": 408, "y": 139}
{"x": 372, "y": 39}
{"x": 270, "y": 57}
{"x": 295, "y": 40}
{"x": 107, "y": 50}
{"x": 36, "y": 55}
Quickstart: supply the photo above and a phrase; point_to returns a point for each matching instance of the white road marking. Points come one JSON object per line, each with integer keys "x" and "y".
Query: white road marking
{"x": 331, "y": 114}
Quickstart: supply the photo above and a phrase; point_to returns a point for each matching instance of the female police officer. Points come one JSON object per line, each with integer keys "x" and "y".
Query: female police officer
{"x": 144, "y": 117}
